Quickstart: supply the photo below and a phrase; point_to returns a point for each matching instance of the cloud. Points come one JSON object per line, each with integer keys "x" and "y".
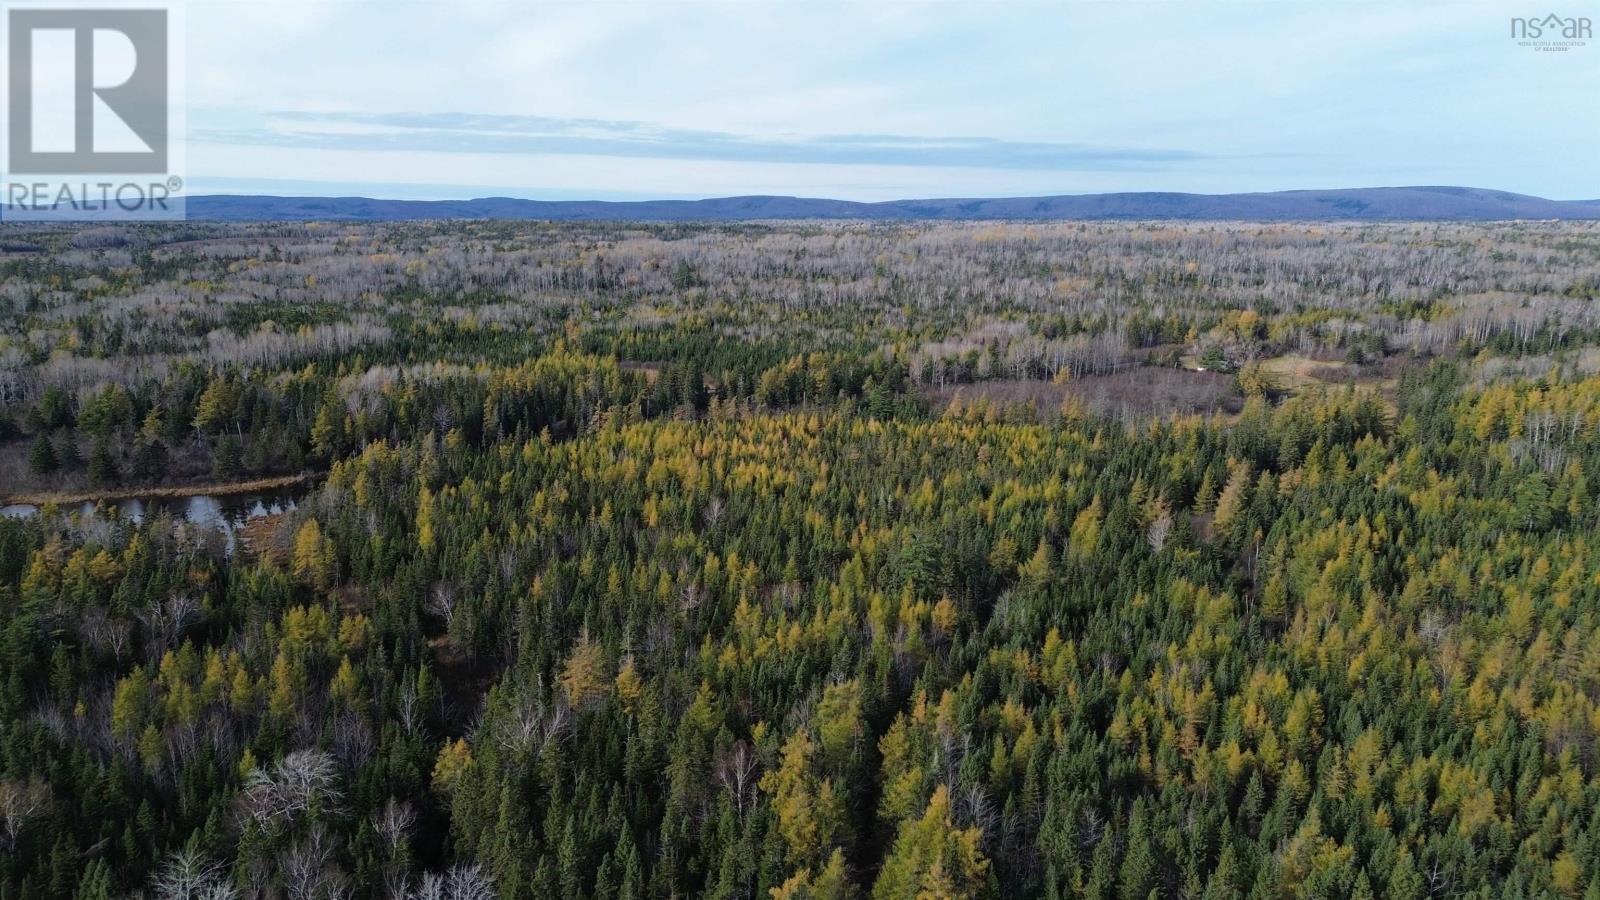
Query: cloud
{"x": 475, "y": 133}
{"x": 832, "y": 98}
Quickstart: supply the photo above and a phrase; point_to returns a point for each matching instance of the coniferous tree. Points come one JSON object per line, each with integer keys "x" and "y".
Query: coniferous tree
{"x": 42, "y": 457}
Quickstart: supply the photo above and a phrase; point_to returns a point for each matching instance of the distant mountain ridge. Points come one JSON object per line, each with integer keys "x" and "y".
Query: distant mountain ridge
{"x": 1354, "y": 204}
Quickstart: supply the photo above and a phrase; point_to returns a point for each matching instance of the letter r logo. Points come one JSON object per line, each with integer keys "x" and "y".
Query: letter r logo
{"x": 87, "y": 91}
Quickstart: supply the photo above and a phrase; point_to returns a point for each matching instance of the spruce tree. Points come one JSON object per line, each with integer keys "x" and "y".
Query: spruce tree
{"x": 42, "y": 457}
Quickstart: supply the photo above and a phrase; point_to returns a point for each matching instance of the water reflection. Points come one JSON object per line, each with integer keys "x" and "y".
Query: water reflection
{"x": 224, "y": 514}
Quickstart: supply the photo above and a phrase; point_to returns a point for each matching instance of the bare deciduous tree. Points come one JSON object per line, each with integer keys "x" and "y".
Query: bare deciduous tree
{"x": 408, "y": 708}
{"x": 393, "y": 823}
{"x": 20, "y": 803}
{"x": 309, "y": 868}
{"x": 735, "y": 770}
{"x": 459, "y": 883}
{"x": 191, "y": 875}
{"x": 353, "y": 741}
{"x": 527, "y": 722}
{"x": 442, "y": 603}
{"x": 1160, "y": 529}
{"x": 167, "y": 620}
{"x": 280, "y": 794}
{"x": 106, "y": 633}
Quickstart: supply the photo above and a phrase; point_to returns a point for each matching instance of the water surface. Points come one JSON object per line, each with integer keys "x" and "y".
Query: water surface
{"x": 225, "y": 513}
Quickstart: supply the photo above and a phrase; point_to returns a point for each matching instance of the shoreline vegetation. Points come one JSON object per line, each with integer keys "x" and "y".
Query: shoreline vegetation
{"x": 209, "y": 489}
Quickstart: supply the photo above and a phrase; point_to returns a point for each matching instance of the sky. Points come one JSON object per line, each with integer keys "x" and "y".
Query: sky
{"x": 869, "y": 100}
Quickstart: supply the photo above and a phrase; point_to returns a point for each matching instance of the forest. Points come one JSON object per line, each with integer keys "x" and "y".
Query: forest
{"x": 791, "y": 561}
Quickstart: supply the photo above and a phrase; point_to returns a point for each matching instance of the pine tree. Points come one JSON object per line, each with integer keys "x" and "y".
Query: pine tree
{"x": 149, "y": 458}
{"x": 102, "y": 467}
{"x": 227, "y": 457}
{"x": 1140, "y": 867}
{"x": 42, "y": 457}
{"x": 1405, "y": 882}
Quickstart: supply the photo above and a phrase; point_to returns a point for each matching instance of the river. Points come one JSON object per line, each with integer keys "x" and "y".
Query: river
{"x": 226, "y": 513}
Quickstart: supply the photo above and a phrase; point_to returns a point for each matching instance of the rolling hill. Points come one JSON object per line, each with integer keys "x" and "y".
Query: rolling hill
{"x": 1373, "y": 204}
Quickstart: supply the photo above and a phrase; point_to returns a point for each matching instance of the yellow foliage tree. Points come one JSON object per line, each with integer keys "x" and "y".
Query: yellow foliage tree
{"x": 425, "y": 537}
{"x": 583, "y": 677}
{"x": 932, "y": 858}
{"x": 313, "y": 554}
{"x": 454, "y": 758}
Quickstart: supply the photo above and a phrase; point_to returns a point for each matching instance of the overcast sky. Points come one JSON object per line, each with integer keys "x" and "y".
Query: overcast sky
{"x": 876, "y": 100}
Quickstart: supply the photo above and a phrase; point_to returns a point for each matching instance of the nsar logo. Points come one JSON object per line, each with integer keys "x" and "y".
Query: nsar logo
{"x": 1552, "y": 32}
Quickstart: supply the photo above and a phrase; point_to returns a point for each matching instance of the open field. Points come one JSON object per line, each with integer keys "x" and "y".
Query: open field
{"x": 1133, "y": 393}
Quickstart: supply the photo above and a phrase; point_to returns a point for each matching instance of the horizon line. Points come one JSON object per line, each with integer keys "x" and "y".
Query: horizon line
{"x": 600, "y": 198}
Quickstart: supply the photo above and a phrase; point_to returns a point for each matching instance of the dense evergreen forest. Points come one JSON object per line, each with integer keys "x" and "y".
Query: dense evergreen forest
{"x": 797, "y": 561}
